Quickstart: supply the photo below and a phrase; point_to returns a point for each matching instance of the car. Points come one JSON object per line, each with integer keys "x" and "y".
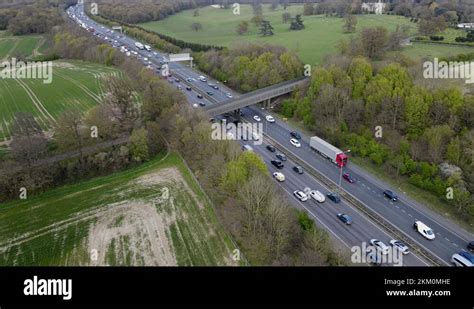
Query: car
{"x": 202, "y": 104}
{"x": 270, "y": 118}
{"x": 271, "y": 148}
{"x": 195, "y": 105}
{"x": 298, "y": 169}
{"x": 458, "y": 260}
{"x": 390, "y": 195}
{"x": 229, "y": 95}
{"x": 469, "y": 256}
{"x": 374, "y": 258}
{"x": 199, "y": 96}
{"x": 335, "y": 197}
{"x": 424, "y": 230}
{"x": 188, "y": 88}
{"x": 278, "y": 164}
{"x": 346, "y": 219}
{"x": 300, "y": 195}
{"x": 189, "y": 80}
{"x": 215, "y": 87}
{"x": 279, "y": 176}
{"x": 380, "y": 246}
{"x": 177, "y": 80}
{"x": 257, "y": 118}
{"x": 470, "y": 246}
{"x": 317, "y": 196}
{"x": 210, "y": 93}
{"x": 295, "y": 135}
{"x": 179, "y": 87}
{"x": 247, "y": 148}
{"x": 295, "y": 142}
{"x": 348, "y": 177}
{"x": 281, "y": 156}
{"x": 400, "y": 246}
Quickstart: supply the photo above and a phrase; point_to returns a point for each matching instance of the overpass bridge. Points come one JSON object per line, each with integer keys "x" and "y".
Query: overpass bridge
{"x": 255, "y": 97}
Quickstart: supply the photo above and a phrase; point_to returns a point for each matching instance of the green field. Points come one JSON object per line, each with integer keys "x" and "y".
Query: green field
{"x": 75, "y": 84}
{"x": 320, "y": 38}
{"x": 123, "y": 219}
{"x": 15, "y": 46}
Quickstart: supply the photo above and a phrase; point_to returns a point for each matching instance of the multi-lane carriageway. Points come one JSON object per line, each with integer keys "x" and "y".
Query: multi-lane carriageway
{"x": 367, "y": 189}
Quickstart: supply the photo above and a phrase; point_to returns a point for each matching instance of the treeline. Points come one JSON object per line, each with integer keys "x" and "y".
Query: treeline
{"x": 249, "y": 205}
{"x": 247, "y": 66}
{"x": 424, "y": 134}
{"x": 29, "y": 19}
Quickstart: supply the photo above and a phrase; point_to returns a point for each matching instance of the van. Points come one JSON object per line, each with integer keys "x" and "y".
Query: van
{"x": 461, "y": 261}
{"x": 247, "y": 148}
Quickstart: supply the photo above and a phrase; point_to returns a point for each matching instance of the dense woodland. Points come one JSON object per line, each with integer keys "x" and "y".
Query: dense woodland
{"x": 248, "y": 66}
{"x": 423, "y": 133}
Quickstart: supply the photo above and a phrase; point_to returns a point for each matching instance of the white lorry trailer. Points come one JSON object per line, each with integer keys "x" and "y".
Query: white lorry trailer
{"x": 328, "y": 151}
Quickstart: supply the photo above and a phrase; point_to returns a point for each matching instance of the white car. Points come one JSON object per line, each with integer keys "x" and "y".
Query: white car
{"x": 295, "y": 142}
{"x": 279, "y": 176}
{"x": 300, "y": 195}
{"x": 229, "y": 95}
{"x": 270, "y": 118}
{"x": 257, "y": 118}
{"x": 400, "y": 246}
{"x": 460, "y": 261}
{"x": 424, "y": 230}
{"x": 195, "y": 105}
{"x": 380, "y": 246}
{"x": 317, "y": 196}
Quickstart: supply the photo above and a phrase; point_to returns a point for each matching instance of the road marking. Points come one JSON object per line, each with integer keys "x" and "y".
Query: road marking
{"x": 410, "y": 215}
{"x": 455, "y": 244}
{"x": 446, "y": 238}
{"x": 398, "y": 207}
{"x": 404, "y": 211}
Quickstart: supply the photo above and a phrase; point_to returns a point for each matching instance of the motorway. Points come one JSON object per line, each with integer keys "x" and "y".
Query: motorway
{"x": 367, "y": 188}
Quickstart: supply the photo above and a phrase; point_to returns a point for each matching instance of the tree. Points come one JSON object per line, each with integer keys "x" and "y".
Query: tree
{"x": 196, "y": 26}
{"x": 285, "y": 4}
{"x": 432, "y": 25}
{"x": 257, "y": 20}
{"x": 436, "y": 139}
{"x": 242, "y": 27}
{"x": 28, "y": 141}
{"x": 374, "y": 42}
{"x": 196, "y": 12}
{"x": 350, "y": 23}
{"x": 120, "y": 96}
{"x": 308, "y": 8}
{"x": 139, "y": 145}
{"x": 70, "y": 133}
{"x": 297, "y": 23}
{"x": 286, "y": 17}
{"x": 274, "y": 5}
{"x": 266, "y": 28}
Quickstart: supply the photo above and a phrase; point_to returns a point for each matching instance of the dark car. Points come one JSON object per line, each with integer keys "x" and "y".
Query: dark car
{"x": 467, "y": 255}
{"x": 335, "y": 197}
{"x": 271, "y": 148}
{"x": 348, "y": 177}
{"x": 210, "y": 93}
{"x": 295, "y": 135}
{"x": 278, "y": 164}
{"x": 298, "y": 169}
{"x": 188, "y": 88}
{"x": 470, "y": 246}
{"x": 281, "y": 156}
{"x": 390, "y": 195}
{"x": 345, "y": 218}
{"x": 202, "y": 104}
{"x": 199, "y": 96}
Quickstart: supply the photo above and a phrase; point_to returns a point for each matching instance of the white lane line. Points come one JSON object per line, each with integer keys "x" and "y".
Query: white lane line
{"x": 446, "y": 238}
{"x": 455, "y": 244}
{"x": 398, "y": 207}
{"x": 410, "y": 215}
{"x": 404, "y": 211}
